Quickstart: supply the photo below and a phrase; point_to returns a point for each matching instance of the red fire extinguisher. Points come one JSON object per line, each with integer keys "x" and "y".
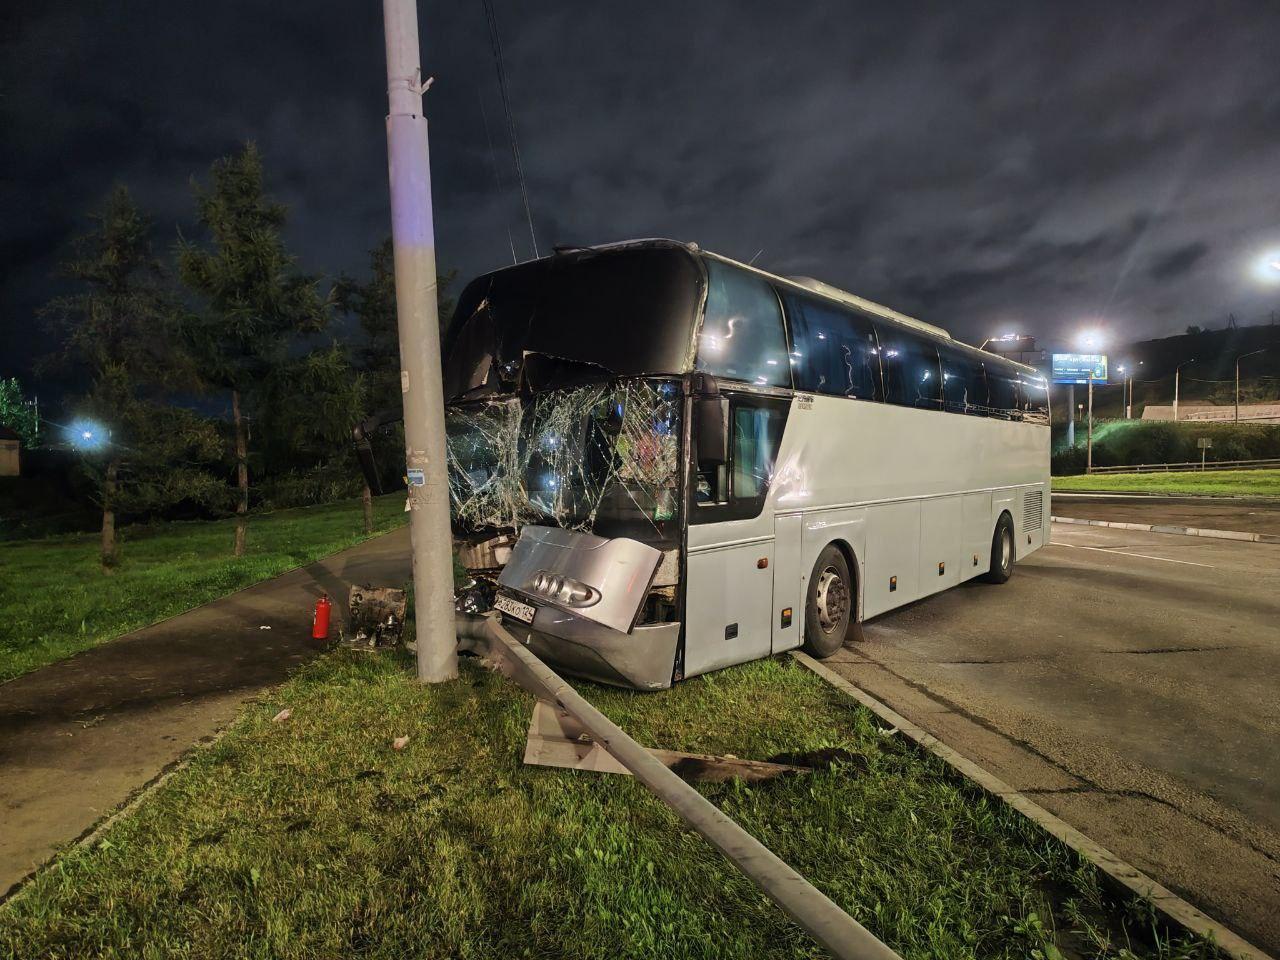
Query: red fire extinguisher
{"x": 320, "y": 618}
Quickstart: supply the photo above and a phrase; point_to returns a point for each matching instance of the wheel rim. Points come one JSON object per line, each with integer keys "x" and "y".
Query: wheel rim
{"x": 831, "y": 599}
{"x": 1006, "y": 550}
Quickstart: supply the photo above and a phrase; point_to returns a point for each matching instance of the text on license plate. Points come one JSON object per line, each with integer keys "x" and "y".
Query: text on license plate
{"x": 513, "y": 607}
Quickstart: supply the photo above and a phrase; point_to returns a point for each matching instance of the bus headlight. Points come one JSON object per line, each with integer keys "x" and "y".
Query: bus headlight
{"x": 561, "y": 589}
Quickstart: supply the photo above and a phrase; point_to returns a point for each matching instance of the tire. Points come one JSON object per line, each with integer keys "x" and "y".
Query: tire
{"x": 1003, "y": 552}
{"x": 829, "y": 609}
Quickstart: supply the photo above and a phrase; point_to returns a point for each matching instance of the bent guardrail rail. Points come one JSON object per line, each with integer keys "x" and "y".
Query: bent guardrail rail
{"x": 813, "y": 910}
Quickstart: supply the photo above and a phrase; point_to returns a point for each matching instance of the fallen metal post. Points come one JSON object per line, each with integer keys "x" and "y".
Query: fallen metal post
{"x": 814, "y": 911}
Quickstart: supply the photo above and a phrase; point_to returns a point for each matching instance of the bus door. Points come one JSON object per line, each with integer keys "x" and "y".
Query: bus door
{"x": 731, "y": 550}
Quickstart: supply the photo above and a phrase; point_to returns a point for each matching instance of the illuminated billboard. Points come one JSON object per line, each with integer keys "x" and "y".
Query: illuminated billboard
{"x": 1079, "y": 367}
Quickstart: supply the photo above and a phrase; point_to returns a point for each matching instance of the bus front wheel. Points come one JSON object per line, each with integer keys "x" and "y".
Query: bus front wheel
{"x": 1002, "y": 551}
{"x": 829, "y": 609}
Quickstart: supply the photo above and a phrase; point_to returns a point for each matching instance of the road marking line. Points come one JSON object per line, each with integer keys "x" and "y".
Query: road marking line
{"x": 1125, "y": 553}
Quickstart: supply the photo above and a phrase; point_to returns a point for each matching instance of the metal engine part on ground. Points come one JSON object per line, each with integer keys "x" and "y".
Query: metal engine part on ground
{"x": 377, "y": 615}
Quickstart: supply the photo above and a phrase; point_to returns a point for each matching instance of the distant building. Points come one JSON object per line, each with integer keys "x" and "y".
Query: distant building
{"x": 10, "y": 444}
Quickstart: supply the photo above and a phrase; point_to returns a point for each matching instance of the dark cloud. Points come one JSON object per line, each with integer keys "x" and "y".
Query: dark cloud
{"x": 1176, "y": 262}
{"x": 1025, "y": 164}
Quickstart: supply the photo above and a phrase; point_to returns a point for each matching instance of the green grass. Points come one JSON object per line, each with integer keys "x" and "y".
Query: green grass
{"x": 1240, "y": 483}
{"x": 57, "y": 601}
{"x": 313, "y": 838}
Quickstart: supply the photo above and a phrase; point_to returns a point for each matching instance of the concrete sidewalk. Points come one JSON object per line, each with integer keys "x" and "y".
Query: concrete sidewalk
{"x": 78, "y": 737}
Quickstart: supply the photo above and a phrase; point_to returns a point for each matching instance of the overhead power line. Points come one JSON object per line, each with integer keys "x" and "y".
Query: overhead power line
{"x": 495, "y": 43}
{"x": 497, "y": 178}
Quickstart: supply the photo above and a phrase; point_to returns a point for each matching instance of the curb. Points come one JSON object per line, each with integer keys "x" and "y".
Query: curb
{"x": 1173, "y": 528}
{"x": 1144, "y": 495}
{"x": 1173, "y": 907}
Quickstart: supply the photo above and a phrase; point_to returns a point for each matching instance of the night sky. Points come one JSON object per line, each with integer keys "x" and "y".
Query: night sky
{"x": 987, "y": 167}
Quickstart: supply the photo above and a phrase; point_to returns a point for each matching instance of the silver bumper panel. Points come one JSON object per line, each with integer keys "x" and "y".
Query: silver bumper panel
{"x": 641, "y": 660}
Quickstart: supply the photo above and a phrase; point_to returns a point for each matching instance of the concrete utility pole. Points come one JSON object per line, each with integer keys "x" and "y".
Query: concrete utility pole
{"x": 1238, "y": 359}
{"x": 1177, "y": 380}
{"x": 413, "y": 240}
{"x": 1071, "y": 415}
{"x": 1088, "y": 468}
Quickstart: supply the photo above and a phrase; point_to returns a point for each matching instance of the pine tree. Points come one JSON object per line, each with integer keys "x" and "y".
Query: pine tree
{"x": 254, "y": 303}
{"x": 117, "y": 337}
{"x": 18, "y": 413}
{"x": 374, "y": 305}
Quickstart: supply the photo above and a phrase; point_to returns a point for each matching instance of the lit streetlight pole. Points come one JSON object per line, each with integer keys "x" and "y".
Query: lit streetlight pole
{"x": 1177, "y": 379}
{"x": 1127, "y": 393}
{"x": 1091, "y": 341}
{"x": 1238, "y": 359}
{"x": 413, "y": 245}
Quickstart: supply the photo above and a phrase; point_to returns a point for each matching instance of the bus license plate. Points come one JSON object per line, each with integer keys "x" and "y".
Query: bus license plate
{"x": 514, "y": 608}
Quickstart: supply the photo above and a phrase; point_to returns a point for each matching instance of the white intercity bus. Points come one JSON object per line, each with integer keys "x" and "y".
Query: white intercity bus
{"x": 664, "y": 462}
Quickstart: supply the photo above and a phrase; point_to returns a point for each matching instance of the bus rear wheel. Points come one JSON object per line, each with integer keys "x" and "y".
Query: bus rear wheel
{"x": 829, "y": 606}
{"x": 1002, "y": 552}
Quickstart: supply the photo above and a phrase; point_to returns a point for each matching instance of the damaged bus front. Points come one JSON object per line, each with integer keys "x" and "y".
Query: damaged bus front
{"x": 567, "y": 389}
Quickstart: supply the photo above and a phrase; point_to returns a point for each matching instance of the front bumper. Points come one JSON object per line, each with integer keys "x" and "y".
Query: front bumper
{"x": 643, "y": 659}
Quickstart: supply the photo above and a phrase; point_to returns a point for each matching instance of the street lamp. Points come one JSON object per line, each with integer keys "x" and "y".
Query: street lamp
{"x": 1091, "y": 340}
{"x": 1126, "y": 393}
{"x": 1238, "y": 359}
{"x": 1177, "y": 376}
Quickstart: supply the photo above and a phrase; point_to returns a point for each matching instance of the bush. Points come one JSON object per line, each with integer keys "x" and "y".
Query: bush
{"x": 299, "y": 489}
{"x": 1129, "y": 442}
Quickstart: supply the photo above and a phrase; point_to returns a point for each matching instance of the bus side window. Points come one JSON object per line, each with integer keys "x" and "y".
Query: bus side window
{"x": 1006, "y": 392}
{"x": 833, "y": 349}
{"x": 964, "y": 383}
{"x": 757, "y": 431}
{"x": 742, "y": 336}
{"x": 912, "y": 374}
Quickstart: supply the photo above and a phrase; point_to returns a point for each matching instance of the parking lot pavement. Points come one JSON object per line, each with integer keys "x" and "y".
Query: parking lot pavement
{"x": 1247, "y": 516}
{"x": 1129, "y": 683}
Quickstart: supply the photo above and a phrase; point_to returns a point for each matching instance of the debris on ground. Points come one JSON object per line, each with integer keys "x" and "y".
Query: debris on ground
{"x": 399, "y": 743}
{"x": 376, "y": 615}
{"x": 282, "y": 716}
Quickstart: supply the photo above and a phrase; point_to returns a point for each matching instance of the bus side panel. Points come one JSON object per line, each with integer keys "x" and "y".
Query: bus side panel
{"x": 978, "y": 531}
{"x": 941, "y": 542}
{"x": 787, "y": 576}
{"x": 728, "y": 605}
{"x": 893, "y": 556}
{"x": 848, "y": 526}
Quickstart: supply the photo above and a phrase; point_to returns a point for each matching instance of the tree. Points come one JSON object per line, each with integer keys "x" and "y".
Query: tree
{"x": 18, "y": 413}
{"x": 317, "y": 400}
{"x": 255, "y": 304}
{"x": 116, "y": 333}
{"x": 374, "y": 305}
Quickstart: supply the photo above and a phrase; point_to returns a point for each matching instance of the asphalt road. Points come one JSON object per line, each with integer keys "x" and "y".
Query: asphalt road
{"x": 1129, "y": 683}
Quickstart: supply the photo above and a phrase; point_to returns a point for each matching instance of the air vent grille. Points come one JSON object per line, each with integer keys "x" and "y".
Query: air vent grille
{"x": 1033, "y": 510}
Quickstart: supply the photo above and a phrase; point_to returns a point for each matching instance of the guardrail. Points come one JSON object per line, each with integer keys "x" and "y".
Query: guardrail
{"x": 842, "y": 936}
{"x": 1192, "y": 465}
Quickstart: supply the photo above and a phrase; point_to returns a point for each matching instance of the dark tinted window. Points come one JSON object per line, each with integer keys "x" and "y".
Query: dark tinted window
{"x": 912, "y": 377}
{"x": 622, "y": 312}
{"x": 1035, "y": 398}
{"x": 742, "y": 336}
{"x": 1005, "y": 383}
{"x": 964, "y": 382}
{"x": 833, "y": 348}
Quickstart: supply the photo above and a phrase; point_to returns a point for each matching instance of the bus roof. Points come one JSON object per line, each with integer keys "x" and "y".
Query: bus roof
{"x": 812, "y": 286}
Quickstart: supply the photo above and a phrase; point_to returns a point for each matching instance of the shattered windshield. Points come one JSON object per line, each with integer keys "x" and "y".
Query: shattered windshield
{"x": 584, "y": 315}
{"x": 602, "y": 457}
